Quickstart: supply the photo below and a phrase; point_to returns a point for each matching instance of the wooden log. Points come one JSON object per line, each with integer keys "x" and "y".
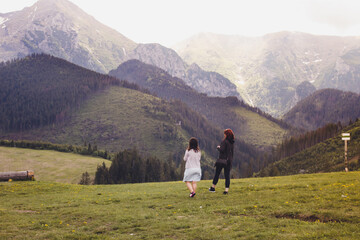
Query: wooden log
{"x": 19, "y": 175}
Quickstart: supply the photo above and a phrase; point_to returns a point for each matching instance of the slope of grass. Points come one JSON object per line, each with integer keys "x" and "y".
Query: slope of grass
{"x": 327, "y": 156}
{"x": 49, "y": 165}
{"x": 260, "y": 131}
{"x": 116, "y": 119}
{"x": 315, "y": 206}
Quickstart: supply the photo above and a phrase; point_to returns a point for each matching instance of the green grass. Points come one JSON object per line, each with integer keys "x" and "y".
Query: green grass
{"x": 49, "y": 165}
{"x": 260, "y": 131}
{"x": 314, "y": 206}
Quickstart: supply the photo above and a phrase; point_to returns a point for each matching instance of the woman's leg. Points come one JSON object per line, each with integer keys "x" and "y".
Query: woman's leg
{"x": 194, "y": 186}
{"x": 227, "y": 177}
{"x": 189, "y": 186}
{"x": 217, "y": 174}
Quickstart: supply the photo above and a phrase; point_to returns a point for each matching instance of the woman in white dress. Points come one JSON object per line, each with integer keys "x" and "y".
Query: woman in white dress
{"x": 192, "y": 173}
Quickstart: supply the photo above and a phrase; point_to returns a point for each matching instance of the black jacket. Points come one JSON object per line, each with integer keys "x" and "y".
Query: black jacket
{"x": 226, "y": 150}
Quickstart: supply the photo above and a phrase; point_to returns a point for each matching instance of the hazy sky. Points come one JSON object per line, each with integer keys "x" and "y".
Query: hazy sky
{"x": 170, "y": 21}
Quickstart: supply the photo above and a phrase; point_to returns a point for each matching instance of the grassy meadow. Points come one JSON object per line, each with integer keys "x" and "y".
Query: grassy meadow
{"x": 49, "y": 165}
{"x": 312, "y": 206}
{"x": 259, "y": 130}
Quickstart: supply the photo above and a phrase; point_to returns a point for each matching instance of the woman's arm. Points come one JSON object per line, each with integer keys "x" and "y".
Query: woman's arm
{"x": 222, "y": 147}
{"x": 186, "y": 156}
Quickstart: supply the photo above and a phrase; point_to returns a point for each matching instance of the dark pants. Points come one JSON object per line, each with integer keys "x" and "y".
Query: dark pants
{"x": 227, "y": 168}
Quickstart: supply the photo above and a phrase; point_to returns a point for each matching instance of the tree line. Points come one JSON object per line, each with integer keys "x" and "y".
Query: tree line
{"x": 129, "y": 167}
{"x": 299, "y": 143}
{"x": 87, "y": 149}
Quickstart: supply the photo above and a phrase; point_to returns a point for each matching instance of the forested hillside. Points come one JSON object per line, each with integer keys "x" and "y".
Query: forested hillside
{"x": 324, "y": 106}
{"x": 223, "y": 112}
{"x": 303, "y": 141}
{"x": 326, "y": 156}
{"x": 40, "y": 89}
{"x": 118, "y": 118}
{"x": 59, "y": 102}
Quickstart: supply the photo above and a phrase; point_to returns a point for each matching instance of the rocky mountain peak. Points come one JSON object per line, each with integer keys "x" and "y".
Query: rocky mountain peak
{"x": 160, "y": 56}
{"x": 60, "y": 28}
{"x": 167, "y": 59}
{"x": 194, "y": 67}
{"x": 63, "y": 6}
{"x": 43, "y": 4}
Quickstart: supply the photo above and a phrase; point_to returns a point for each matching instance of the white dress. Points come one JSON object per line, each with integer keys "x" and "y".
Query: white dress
{"x": 192, "y": 166}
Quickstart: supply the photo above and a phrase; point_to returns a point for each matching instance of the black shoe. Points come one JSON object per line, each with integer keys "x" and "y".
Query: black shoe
{"x": 192, "y": 194}
{"x": 225, "y": 192}
{"x": 211, "y": 189}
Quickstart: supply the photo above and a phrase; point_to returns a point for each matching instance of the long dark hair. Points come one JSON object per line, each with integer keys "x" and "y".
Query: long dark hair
{"x": 229, "y": 134}
{"x": 193, "y": 144}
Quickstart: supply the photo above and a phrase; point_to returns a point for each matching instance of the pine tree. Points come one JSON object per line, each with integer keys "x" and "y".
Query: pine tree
{"x": 102, "y": 175}
{"x": 85, "y": 179}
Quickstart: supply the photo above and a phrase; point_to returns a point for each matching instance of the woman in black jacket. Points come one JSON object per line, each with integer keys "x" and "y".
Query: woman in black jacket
{"x": 226, "y": 154}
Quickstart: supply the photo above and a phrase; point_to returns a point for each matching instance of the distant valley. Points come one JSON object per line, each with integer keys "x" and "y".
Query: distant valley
{"x": 250, "y": 124}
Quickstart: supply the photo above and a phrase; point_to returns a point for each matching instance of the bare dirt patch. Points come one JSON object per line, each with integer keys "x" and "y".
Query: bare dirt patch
{"x": 308, "y": 218}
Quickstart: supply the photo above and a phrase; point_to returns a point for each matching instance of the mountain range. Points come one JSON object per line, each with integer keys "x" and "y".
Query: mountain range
{"x": 269, "y": 69}
{"x": 272, "y": 72}
{"x": 60, "y": 28}
{"x": 167, "y": 59}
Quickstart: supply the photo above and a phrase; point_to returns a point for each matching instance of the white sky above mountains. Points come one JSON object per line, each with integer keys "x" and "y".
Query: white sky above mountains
{"x": 170, "y": 21}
